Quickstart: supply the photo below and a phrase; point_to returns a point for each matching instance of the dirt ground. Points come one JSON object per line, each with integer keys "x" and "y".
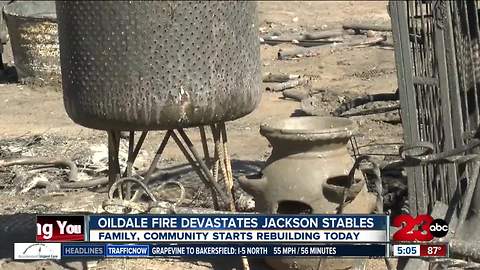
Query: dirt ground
{"x": 33, "y": 121}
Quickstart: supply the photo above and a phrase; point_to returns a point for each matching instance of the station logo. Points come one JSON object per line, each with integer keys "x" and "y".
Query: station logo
{"x": 420, "y": 228}
{"x": 37, "y": 251}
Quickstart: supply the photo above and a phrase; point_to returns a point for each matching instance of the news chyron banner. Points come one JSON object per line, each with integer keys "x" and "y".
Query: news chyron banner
{"x": 217, "y": 235}
{"x": 238, "y": 228}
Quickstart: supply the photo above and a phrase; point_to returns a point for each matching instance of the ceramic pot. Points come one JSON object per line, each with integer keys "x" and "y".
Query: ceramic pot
{"x": 307, "y": 172}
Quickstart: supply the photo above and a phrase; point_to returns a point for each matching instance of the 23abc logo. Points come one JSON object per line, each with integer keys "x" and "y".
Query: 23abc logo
{"x": 420, "y": 228}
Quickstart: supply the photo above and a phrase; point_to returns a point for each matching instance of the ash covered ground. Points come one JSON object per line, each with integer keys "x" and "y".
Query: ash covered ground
{"x": 34, "y": 123}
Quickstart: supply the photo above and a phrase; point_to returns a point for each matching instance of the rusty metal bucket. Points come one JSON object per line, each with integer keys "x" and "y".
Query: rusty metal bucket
{"x": 33, "y": 35}
{"x": 153, "y": 65}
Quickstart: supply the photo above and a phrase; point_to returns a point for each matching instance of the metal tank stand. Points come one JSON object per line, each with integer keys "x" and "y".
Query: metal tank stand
{"x": 124, "y": 187}
{"x": 207, "y": 169}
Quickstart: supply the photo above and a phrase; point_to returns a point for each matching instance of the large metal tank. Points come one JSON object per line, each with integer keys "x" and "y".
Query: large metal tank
{"x": 146, "y": 65}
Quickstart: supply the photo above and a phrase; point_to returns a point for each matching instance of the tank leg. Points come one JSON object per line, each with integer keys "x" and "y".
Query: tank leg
{"x": 133, "y": 151}
{"x": 153, "y": 165}
{"x": 113, "y": 163}
{"x": 206, "y": 152}
{"x": 113, "y": 158}
{"x": 222, "y": 159}
{"x": 202, "y": 169}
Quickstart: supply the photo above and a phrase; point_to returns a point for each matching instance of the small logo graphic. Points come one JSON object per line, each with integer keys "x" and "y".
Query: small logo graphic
{"x": 439, "y": 228}
{"x": 420, "y": 228}
{"x": 37, "y": 251}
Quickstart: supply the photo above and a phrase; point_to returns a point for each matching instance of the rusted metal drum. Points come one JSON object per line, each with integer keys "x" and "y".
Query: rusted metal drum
{"x": 32, "y": 28}
{"x": 146, "y": 65}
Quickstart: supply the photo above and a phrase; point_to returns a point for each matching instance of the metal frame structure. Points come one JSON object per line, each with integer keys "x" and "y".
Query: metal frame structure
{"x": 437, "y": 54}
{"x": 436, "y": 50}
